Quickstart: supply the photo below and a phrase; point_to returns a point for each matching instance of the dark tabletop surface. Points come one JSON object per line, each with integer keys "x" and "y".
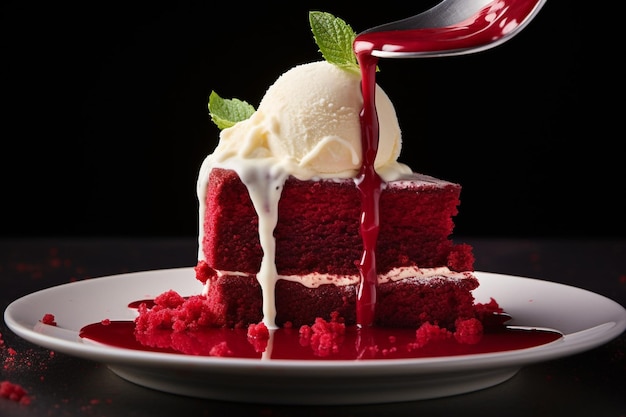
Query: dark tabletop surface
{"x": 585, "y": 384}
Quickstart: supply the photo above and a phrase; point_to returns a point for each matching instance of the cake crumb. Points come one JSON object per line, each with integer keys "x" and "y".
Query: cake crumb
{"x": 429, "y": 332}
{"x": 174, "y": 312}
{"x": 258, "y": 331}
{"x": 484, "y": 309}
{"x": 258, "y": 336}
{"x": 468, "y": 331}
{"x": 48, "y": 319}
{"x": 324, "y": 337}
{"x": 14, "y": 392}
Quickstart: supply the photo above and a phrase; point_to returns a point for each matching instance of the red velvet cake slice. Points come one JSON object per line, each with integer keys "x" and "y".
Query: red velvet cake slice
{"x": 318, "y": 246}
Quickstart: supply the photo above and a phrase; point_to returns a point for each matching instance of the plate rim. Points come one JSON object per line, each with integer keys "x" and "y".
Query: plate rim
{"x": 570, "y": 344}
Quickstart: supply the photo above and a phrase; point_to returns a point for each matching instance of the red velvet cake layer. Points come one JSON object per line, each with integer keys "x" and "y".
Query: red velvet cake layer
{"x": 236, "y": 301}
{"x": 318, "y": 226}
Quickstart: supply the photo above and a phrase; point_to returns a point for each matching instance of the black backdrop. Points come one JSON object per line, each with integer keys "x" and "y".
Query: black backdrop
{"x": 105, "y": 121}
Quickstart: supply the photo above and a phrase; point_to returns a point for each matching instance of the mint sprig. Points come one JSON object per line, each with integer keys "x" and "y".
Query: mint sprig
{"x": 334, "y": 38}
{"x": 227, "y": 112}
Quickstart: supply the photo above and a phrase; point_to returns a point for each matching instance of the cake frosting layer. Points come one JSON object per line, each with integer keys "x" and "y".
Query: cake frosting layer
{"x": 316, "y": 279}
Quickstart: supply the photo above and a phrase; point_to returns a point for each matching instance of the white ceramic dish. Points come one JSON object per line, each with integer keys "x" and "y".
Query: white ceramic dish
{"x": 586, "y": 319}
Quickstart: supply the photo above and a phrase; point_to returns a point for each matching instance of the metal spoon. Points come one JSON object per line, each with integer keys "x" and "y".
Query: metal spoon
{"x": 452, "y": 27}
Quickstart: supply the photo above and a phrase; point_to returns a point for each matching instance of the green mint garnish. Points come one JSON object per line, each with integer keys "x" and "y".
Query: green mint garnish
{"x": 334, "y": 38}
{"x": 226, "y": 112}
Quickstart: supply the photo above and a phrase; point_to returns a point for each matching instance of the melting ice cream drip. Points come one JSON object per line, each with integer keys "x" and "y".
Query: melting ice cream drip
{"x": 265, "y": 187}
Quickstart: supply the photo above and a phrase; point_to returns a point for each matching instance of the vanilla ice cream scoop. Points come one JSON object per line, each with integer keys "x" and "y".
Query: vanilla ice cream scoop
{"x": 309, "y": 121}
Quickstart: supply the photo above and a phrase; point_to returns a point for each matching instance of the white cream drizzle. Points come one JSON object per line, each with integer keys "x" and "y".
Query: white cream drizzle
{"x": 315, "y": 279}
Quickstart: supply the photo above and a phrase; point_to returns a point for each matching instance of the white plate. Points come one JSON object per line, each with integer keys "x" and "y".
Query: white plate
{"x": 586, "y": 319}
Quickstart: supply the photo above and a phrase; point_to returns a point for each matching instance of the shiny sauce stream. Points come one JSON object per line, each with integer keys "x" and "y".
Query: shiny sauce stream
{"x": 489, "y": 23}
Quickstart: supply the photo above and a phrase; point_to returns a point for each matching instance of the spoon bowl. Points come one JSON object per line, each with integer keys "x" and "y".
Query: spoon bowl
{"x": 452, "y": 27}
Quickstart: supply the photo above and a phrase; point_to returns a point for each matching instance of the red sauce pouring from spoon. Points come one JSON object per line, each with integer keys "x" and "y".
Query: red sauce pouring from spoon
{"x": 489, "y": 25}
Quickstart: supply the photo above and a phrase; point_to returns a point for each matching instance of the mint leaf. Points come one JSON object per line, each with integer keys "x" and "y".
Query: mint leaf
{"x": 226, "y": 112}
{"x": 334, "y": 38}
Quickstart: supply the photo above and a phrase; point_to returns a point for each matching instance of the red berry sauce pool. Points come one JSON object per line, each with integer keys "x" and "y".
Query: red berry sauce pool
{"x": 321, "y": 341}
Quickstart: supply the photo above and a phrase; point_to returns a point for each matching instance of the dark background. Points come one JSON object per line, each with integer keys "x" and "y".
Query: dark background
{"x": 105, "y": 119}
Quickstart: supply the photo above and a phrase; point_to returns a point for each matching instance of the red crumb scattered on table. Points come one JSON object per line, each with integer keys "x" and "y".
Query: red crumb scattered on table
{"x": 12, "y": 351}
{"x": 14, "y": 392}
{"x": 105, "y": 322}
{"x": 48, "y": 319}
{"x": 14, "y": 362}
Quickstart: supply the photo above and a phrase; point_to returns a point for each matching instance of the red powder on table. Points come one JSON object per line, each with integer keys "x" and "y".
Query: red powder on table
{"x": 14, "y": 392}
